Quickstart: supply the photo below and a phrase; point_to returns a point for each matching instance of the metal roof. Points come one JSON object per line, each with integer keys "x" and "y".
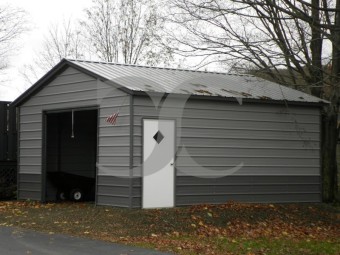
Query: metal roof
{"x": 167, "y": 80}
{"x": 134, "y": 79}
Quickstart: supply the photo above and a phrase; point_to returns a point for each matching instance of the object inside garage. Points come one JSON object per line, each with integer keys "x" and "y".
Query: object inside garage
{"x": 71, "y": 155}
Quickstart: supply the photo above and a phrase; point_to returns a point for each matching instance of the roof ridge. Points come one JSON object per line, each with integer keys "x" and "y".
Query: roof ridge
{"x": 155, "y": 67}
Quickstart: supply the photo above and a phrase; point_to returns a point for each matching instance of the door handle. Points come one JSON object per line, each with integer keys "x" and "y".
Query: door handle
{"x": 171, "y": 164}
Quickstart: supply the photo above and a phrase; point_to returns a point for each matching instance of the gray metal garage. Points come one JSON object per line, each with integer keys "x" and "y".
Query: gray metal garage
{"x": 158, "y": 137}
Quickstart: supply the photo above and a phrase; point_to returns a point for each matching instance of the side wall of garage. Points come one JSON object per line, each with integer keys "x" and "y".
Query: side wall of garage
{"x": 277, "y": 147}
{"x": 69, "y": 90}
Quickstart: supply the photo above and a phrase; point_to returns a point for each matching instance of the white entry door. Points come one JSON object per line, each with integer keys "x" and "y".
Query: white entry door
{"x": 158, "y": 163}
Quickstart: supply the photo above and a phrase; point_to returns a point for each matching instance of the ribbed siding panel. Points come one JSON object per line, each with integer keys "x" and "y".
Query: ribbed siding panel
{"x": 271, "y": 142}
{"x": 192, "y": 190}
{"x": 114, "y": 191}
{"x": 73, "y": 89}
{"x": 29, "y": 186}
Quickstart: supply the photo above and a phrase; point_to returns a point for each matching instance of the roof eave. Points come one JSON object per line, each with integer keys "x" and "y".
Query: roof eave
{"x": 232, "y": 99}
{"x": 36, "y": 86}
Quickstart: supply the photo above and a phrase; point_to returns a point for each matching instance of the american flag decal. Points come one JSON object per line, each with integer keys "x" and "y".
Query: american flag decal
{"x": 112, "y": 118}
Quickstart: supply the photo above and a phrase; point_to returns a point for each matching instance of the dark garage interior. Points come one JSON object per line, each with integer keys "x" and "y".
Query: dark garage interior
{"x": 71, "y": 155}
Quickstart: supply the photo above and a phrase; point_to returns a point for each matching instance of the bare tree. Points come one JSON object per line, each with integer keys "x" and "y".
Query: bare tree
{"x": 62, "y": 40}
{"x": 291, "y": 42}
{"x": 13, "y": 24}
{"x": 126, "y": 31}
{"x": 30, "y": 73}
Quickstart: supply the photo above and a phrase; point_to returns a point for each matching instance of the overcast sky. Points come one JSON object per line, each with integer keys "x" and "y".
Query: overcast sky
{"x": 41, "y": 14}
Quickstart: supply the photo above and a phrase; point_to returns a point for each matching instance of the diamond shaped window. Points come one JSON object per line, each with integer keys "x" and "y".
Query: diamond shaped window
{"x": 158, "y": 137}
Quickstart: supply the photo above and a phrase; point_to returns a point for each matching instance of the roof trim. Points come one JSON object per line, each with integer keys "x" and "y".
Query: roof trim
{"x": 232, "y": 99}
{"x": 50, "y": 75}
{"x": 36, "y": 86}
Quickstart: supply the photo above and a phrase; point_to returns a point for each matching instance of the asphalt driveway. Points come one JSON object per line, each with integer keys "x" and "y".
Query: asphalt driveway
{"x": 15, "y": 241}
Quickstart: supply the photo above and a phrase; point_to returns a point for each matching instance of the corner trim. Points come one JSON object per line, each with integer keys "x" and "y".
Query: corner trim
{"x": 131, "y": 149}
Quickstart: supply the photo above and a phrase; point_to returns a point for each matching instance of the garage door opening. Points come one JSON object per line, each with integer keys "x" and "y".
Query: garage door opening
{"x": 71, "y": 155}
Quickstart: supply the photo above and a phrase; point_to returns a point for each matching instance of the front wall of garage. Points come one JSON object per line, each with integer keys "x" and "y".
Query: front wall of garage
{"x": 276, "y": 149}
{"x": 69, "y": 90}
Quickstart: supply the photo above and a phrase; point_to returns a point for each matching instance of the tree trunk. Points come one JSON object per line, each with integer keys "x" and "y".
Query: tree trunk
{"x": 330, "y": 119}
{"x": 329, "y": 140}
{"x": 315, "y": 69}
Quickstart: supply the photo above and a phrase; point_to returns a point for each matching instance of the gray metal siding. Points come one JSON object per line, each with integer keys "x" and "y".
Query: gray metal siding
{"x": 193, "y": 190}
{"x": 250, "y": 188}
{"x": 113, "y": 191}
{"x": 29, "y": 186}
{"x": 275, "y": 144}
{"x": 73, "y": 89}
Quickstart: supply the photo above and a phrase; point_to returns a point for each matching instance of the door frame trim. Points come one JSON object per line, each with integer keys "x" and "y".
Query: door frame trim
{"x": 44, "y": 146}
{"x": 175, "y": 155}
